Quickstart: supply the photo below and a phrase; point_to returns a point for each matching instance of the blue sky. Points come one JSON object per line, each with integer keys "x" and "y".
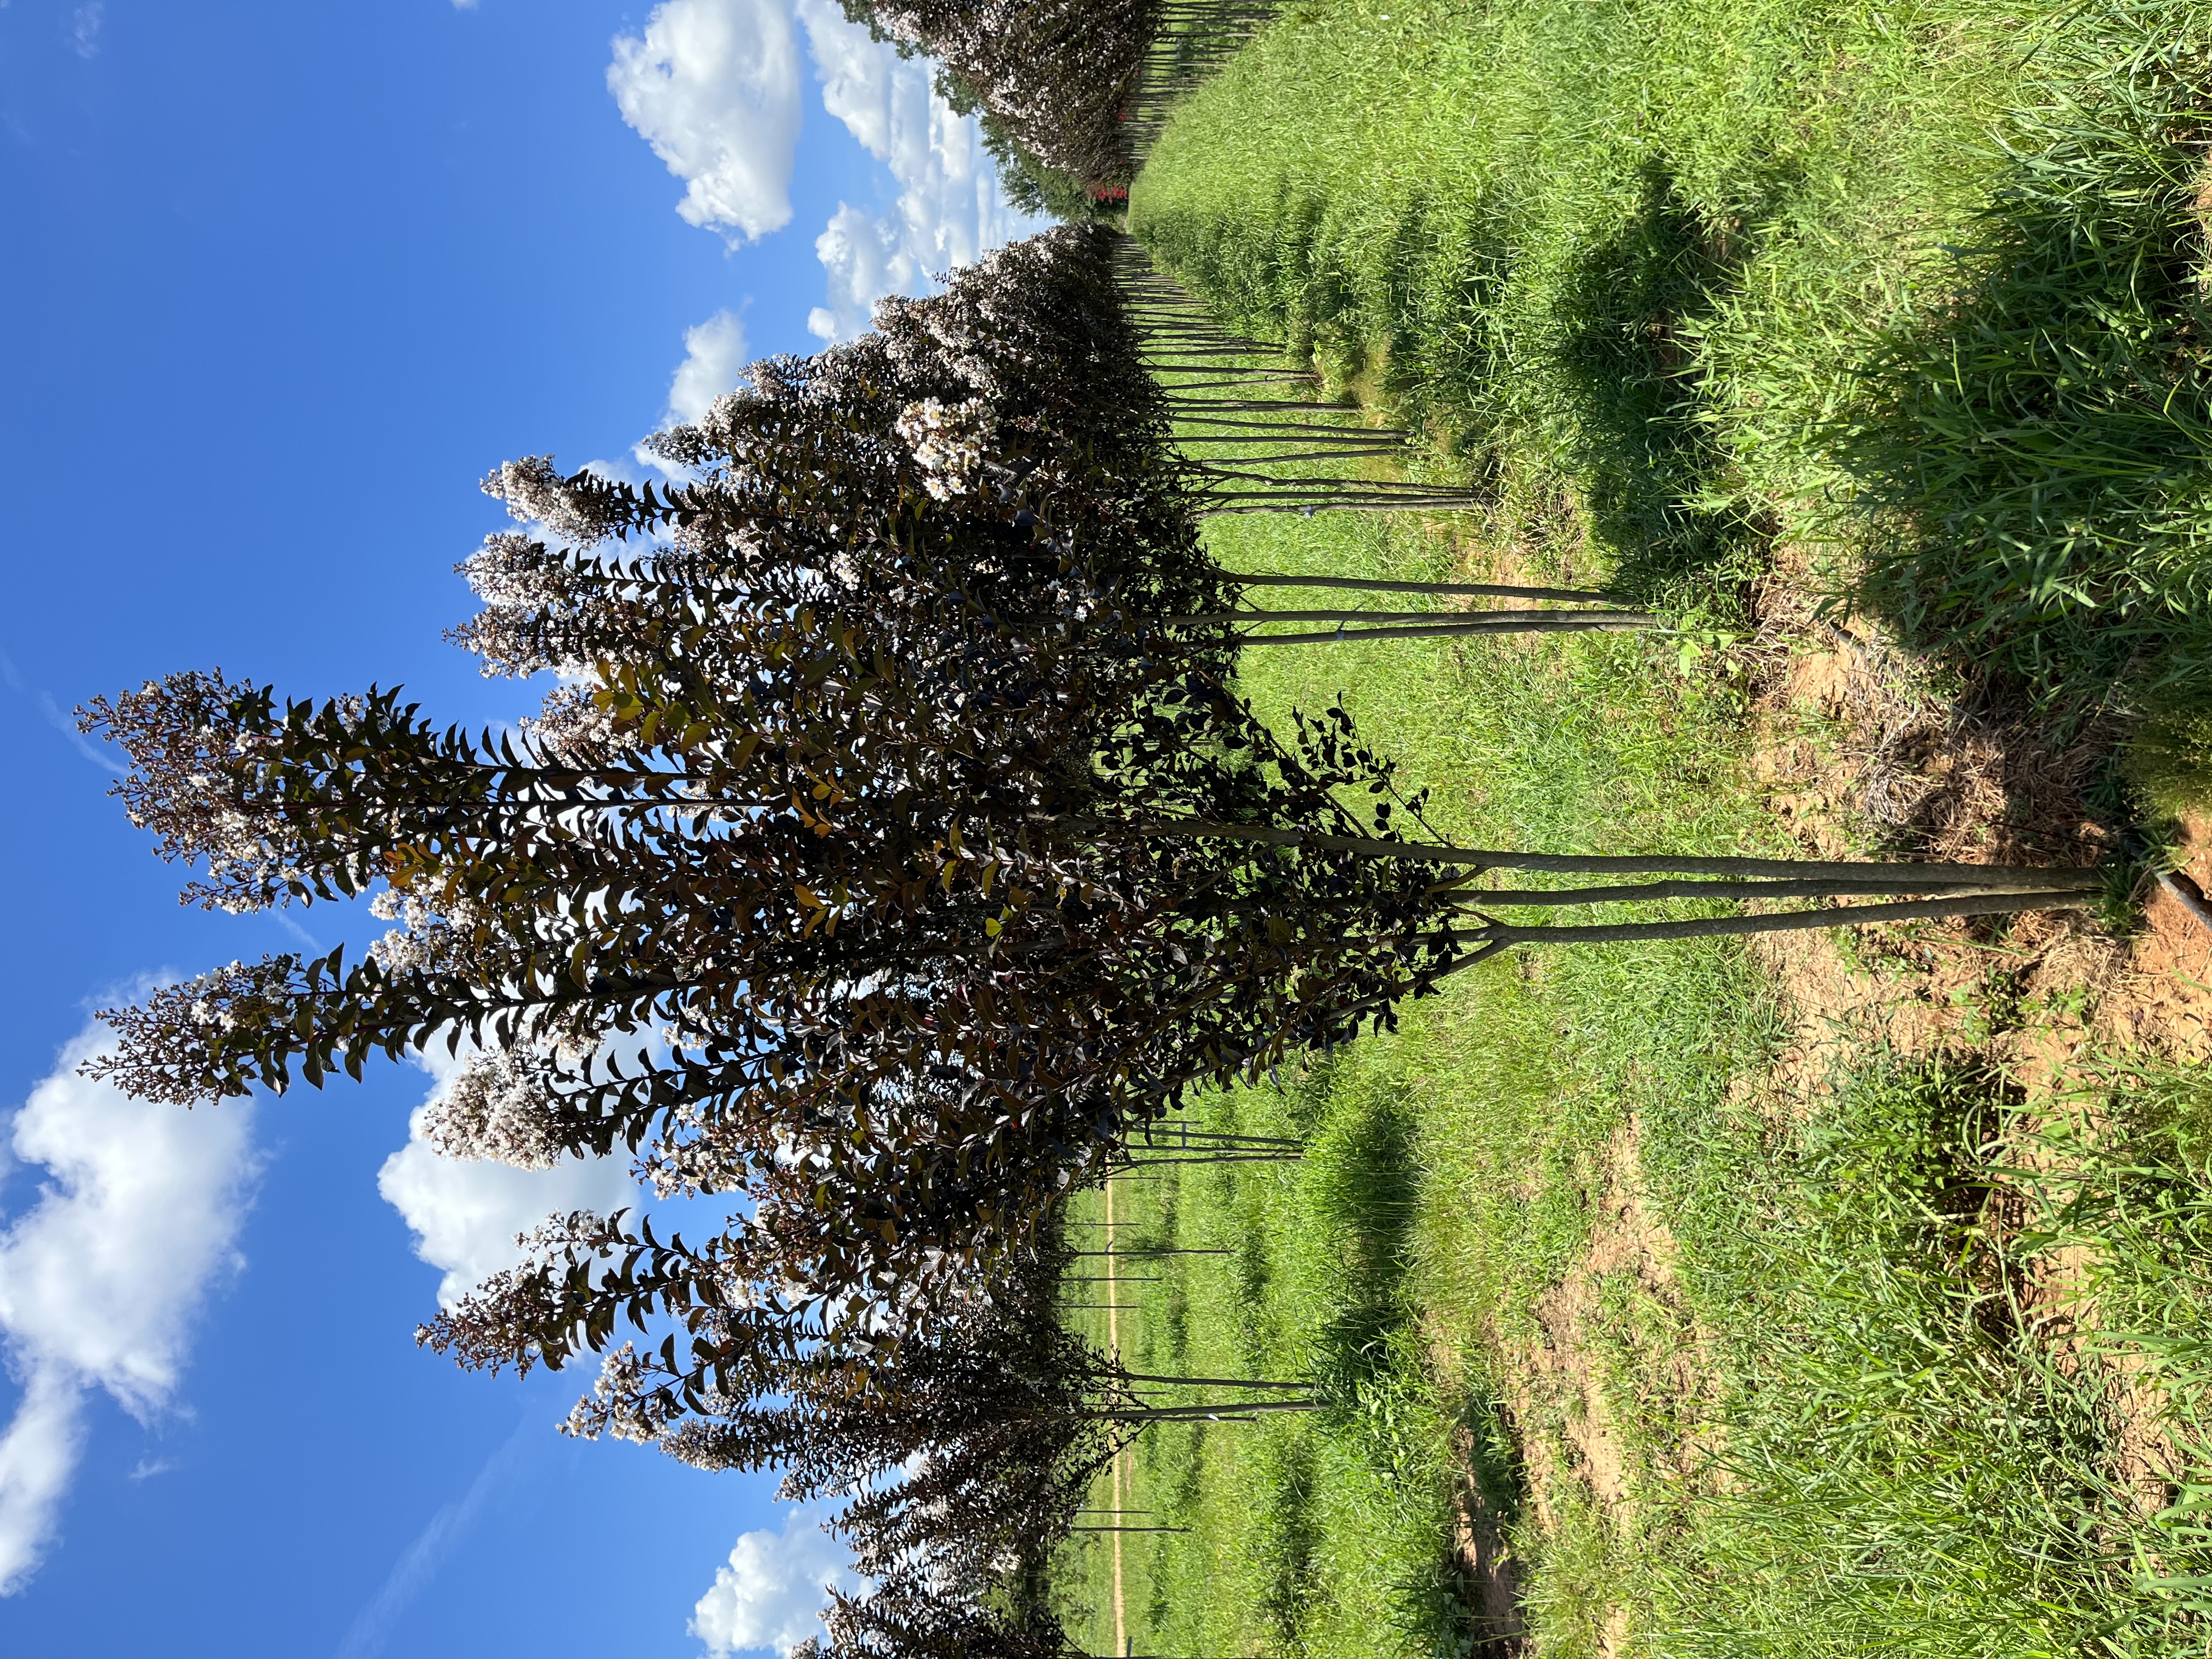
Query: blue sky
{"x": 283, "y": 280}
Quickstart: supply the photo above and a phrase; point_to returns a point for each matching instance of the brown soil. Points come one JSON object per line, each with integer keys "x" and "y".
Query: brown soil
{"x": 1562, "y": 1377}
{"x": 1856, "y": 747}
{"x": 1488, "y": 1566}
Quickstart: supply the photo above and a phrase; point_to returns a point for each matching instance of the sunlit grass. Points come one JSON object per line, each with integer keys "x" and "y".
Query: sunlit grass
{"x": 1839, "y": 1432}
{"x": 1675, "y": 283}
{"x": 1919, "y": 284}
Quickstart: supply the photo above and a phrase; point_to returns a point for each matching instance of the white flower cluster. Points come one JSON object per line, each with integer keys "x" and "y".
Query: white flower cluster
{"x": 207, "y": 1015}
{"x": 683, "y": 1160}
{"x": 950, "y": 443}
{"x": 425, "y": 939}
{"x": 500, "y": 1109}
{"x": 533, "y": 487}
{"x": 511, "y": 570}
{"x": 246, "y": 870}
{"x": 516, "y": 578}
{"x": 572, "y": 729}
{"x": 620, "y": 1402}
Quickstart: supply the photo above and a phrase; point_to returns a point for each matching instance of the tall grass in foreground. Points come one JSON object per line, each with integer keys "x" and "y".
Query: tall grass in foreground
{"x": 2035, "y": 429}
{"x": 1923, "y": 1448}
{"x": 1681, "y": 281}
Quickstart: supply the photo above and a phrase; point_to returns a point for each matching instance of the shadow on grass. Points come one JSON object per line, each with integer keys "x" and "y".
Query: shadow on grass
{"x": 1629, "y": 427}
{"x": 1285, "y": 1534}
{"x": 2037, "y": 452}
{"x": 1360, "y": 1174}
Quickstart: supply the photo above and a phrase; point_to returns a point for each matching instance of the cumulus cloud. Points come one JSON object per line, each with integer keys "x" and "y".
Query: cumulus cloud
{"x": 713, "y": 86}
{"x": 465, "y": 1213}
{"x": 877, "y": 94}
{"x": 714, "y": 362}
{"x": 864, "y": 260}
{"x": 769, "y": 1594}
{"x": 949, "y": 211}
{"x": 101, "y": 1279}
{"x": 37, "y": 1455}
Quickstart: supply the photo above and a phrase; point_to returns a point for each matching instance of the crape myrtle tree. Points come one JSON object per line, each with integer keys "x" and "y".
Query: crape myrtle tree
{"x": 897, "y": 852}
{"x": 1056, "y": 73}
{"x": 1029, "y": 184}
{"x": 959, "y": 1457}
{"x": 835, "y": 838}
{"x": 920, "y": 1612}
{"x": 1079, "y": 87}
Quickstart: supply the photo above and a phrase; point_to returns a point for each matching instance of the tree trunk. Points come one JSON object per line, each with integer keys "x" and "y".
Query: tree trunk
{"x": 1492, "y": 940}
{"x": 1380, "y": 584}
{"x": 1859, "y": 873}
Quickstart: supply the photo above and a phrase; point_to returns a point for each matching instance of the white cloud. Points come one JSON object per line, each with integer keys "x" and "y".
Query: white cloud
{"x": 714, "y": 362}
{"x": 713, "y": 86}
{"x": 864, "y": 261}
{"x": 101, "y": 1279}
{"x": 84, "y": 27}
{"x": 769, "y": 1594}
{"x": 949, "y": 211}
{"x": 865, "y": 82}
{"x": 464, "y": 1213}
{"x": 37, "y": 1455}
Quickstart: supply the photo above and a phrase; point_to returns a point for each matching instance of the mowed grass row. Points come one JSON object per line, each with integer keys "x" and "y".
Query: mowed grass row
{"x": 1922, "y": 283}
{"x": 1840, "y": 1421}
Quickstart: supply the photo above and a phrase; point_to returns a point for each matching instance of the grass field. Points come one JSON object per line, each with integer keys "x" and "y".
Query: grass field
{"x": 1917, "y": 288}
{"x": 1691, "y": 1299}
{"x": 1626, "y": 1344}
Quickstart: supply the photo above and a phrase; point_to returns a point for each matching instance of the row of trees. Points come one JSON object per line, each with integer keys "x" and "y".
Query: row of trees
{"x": 1253, "y": 431}
{"x": 1072, "y": 91}
{"x": 1054, "y": 73}
{"x": 895, "y": 855}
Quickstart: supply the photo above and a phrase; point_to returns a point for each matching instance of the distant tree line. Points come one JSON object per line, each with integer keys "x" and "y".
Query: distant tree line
{"x": 1070, "y": 92}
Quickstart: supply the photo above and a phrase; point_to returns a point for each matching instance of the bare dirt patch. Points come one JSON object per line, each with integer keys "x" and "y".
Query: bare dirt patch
{"x": 1569, "y": 1380}
{"x": 1488, "y": 1568}
{"x": 1857, "y": 744}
